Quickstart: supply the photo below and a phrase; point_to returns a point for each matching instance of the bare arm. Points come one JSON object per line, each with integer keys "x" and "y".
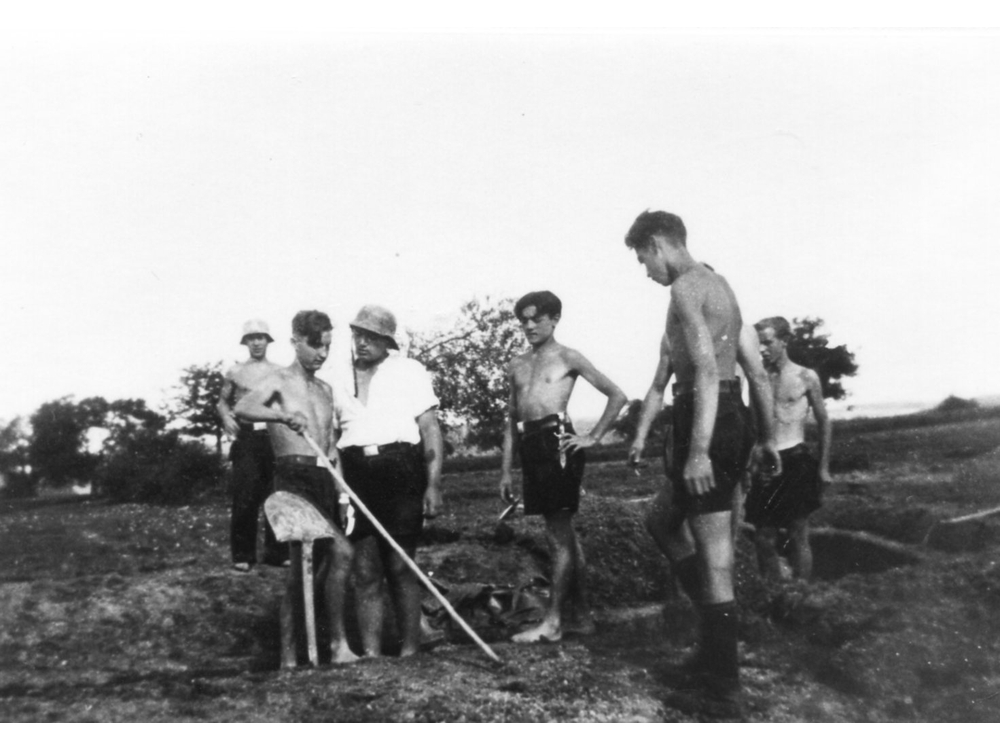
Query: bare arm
{"x": 229, "y": 423}
{"x": 652, "y": 404}
{"x": 258, "y": 405}
{"x": 343, "y": 502}
{"x": 687, "y": 301}
{"x": 748, "y": 358}
{"x": 433, "y": 443}
{"x": 616, "y": 401}
{"x": 509, "y": 435}
{"x": 814, "y": 393}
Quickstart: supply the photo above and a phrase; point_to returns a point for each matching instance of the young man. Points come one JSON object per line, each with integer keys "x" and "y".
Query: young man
{"x": 294, "y": 402}
{"x": 552, "y": 456}
{"x": 711, "y": 432}
{"x": 677, "y": 544}
{"x": 253, "y": 460}
{"x": 392, "y": 452}
{"x": 785, "y": 502}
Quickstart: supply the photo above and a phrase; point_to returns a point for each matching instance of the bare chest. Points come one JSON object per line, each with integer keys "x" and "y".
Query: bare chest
{"x": 789, "y": 393}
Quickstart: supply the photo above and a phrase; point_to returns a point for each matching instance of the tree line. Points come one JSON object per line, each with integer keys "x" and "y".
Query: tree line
{"x": 173, "y": 454}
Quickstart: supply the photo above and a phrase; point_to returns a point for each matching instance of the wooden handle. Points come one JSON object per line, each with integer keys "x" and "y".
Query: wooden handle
{"x": 392, "y": 543}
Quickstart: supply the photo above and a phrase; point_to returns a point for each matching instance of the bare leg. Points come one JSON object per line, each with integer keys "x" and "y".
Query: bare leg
{"x": 581, "y": 621}
{"x": 718, "y": 654}
{"x": 766, "y": 541}
{"x": 714, "y": 543}
{"x": 368, "y": 580}
{"x": 289, "y": 606}
{"x": 331, "y": 574}
{"x": 405, "y": 589}
{"x": 802, "y": 559}
{"x": 739, "y": 499}
{"x": 561, "y": 540}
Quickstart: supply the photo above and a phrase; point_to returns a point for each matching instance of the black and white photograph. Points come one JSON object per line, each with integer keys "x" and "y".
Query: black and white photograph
{"x": 421, "y": 367}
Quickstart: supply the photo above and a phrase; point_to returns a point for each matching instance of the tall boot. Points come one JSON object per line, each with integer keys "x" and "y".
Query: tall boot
{"x": 720, "y": 626}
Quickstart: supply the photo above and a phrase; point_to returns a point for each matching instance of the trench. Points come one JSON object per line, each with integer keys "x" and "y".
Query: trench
{"x": 838, "y": 553}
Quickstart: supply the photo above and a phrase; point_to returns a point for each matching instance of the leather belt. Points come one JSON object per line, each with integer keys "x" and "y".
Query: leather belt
{"x": 376, "y": 450}
{"x": 249, "y": 428}
{"x": 552, "y": 420}
{"x": 725, "y": 386}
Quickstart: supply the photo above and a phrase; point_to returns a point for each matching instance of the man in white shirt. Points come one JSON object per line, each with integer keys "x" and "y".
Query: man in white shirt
{"x": 391, "y": 452}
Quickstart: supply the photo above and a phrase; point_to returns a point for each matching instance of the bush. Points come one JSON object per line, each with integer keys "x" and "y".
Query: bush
{"x": 954, "y": 403}
{"x": 159, "y": 468}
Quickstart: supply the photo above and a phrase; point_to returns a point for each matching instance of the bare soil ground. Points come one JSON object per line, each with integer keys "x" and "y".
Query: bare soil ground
{"x": 131, "y": 612}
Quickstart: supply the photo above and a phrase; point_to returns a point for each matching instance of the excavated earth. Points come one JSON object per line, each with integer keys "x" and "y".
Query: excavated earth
{"x": 132, "y": 613}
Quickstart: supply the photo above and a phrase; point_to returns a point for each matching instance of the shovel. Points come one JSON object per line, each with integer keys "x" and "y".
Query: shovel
{"x": 399, "y": 550}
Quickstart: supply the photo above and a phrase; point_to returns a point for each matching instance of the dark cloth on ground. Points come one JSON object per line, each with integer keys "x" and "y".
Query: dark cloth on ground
{"x": 391, "y": 484}
{"x": 250, "y": 483}
{"x": 788, "y": 497}
{"x": 548, "y": 486}
{"x": 729, "y": 451}
{"x": 312, "y": 483}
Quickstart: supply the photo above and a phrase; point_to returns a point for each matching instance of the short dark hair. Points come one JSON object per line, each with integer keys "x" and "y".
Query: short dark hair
{"x": 649, "y": 223}
{"x": 777, "y": 324}
{"x": 546, "y": 303}
{"x": 311, "y": 325}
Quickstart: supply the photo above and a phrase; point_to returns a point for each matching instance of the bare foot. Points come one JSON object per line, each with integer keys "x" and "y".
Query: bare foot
{"x": 544, "y": 632}
{"x": 241, "y": 567}
{"x": 340, "y": 653}
{"x": 289, "y": 664}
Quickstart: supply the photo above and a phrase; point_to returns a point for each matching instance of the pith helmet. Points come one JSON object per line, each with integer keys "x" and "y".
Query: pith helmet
{"x": 255, "y": 327}
{"x": 377, "y": 320}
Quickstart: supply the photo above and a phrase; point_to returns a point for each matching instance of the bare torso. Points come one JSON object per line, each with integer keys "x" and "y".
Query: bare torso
{"x": 542, "y": 382}
{"x": 311, "y": 397}
{"x": 790, "y": 387}
{"x": 245, "y": 376}
{"x": 721, "y": 314}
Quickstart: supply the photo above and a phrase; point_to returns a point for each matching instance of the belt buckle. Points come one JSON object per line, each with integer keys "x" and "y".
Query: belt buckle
{"x": 520, "y": 428}
{"x": 319, "y": 462}
{"x": 257, "y": 426}
{"x": 370, "y": 450}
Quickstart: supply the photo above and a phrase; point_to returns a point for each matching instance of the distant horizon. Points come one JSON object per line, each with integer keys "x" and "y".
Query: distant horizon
{"x": 843, "y": 411}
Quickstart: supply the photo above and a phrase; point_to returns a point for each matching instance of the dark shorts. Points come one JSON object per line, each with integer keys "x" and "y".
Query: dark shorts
{"x": 792, "y": 495}
{"x": 310, "y": 482}
{"x": 729, "y": 451}
{"x": 548, "y": 486}
{"x": 391, "y": 485}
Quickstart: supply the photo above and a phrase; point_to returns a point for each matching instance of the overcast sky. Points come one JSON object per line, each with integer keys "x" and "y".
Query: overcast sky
{"x": 156, "y": 193}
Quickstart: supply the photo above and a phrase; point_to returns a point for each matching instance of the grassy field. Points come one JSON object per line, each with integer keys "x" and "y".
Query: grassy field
{"x": 131, "y": 612}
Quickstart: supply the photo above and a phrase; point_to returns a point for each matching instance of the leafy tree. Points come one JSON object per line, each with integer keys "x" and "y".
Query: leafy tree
{"x": 197, "y": 394}
{"x": 812, "y": 349}
{"x": 147, "y": 464}
{"x": 14, "y": 463}
{"x": 57, "y": 450}
{"x": 468, "y": 364}
{"x": 124, "y": 417}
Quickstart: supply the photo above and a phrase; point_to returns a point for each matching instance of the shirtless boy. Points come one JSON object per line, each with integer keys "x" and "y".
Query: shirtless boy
{"x": 294, "y": 403}
{"x": 711, "y": 431}
{"x": 785, "y": 502}
{"x": 552, "y": 455}
{"x": 253, "y": 460}
{"x": 677, "y": 544}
